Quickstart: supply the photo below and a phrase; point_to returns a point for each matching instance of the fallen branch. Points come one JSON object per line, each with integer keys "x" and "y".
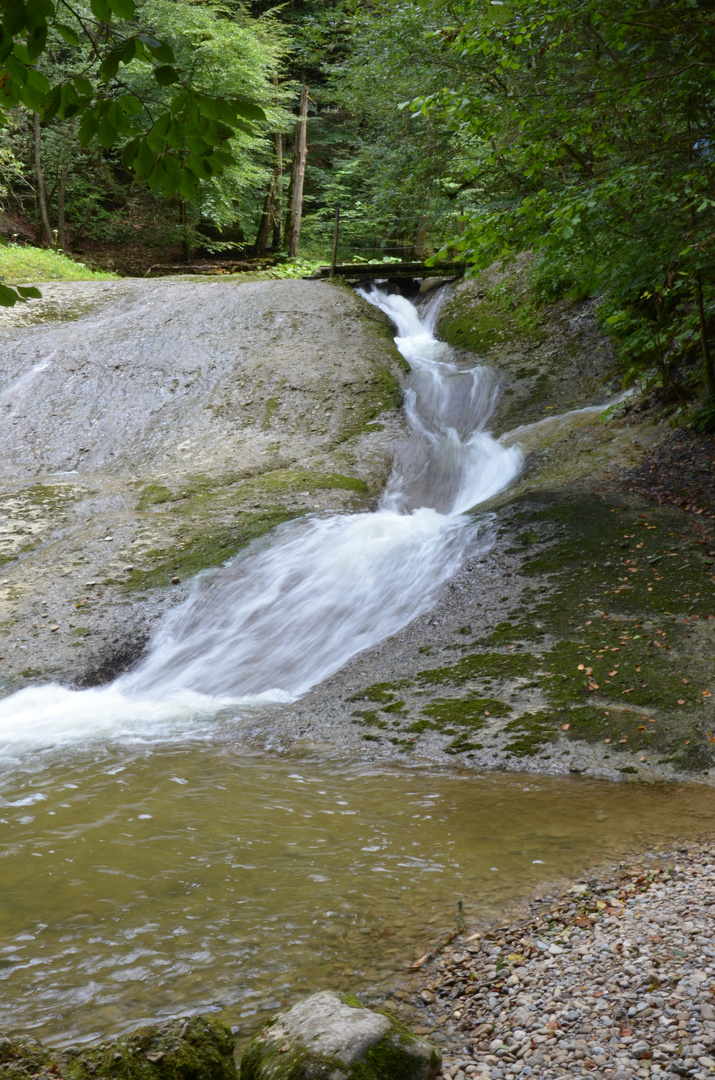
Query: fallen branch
{"x": 444, "y": 943}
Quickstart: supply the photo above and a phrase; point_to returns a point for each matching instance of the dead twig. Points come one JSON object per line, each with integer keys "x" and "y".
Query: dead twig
{"x": 459, "y": 929}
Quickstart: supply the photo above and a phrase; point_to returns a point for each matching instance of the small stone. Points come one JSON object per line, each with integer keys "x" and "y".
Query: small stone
{"x": 154, "y": 1056}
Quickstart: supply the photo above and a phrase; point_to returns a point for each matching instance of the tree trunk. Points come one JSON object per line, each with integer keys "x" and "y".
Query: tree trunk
{"x": 185, "y": 246}
{"x": 265, "y": 227}
{"x": 298, "y": 175}
{"x": 278, "y": 216}
{"x": 41, "y": 189}
{"x": 61, "y": 194}
{"x": 708, "y": 366}
{"x": 336, "y": 237}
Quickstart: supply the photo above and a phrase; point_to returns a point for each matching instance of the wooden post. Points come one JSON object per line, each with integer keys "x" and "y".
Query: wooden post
{"x": 336, "y": 233}
{"x": 299, "y": 156}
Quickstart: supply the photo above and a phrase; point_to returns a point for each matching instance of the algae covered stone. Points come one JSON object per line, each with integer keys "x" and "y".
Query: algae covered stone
{"x": 330, "y": 1036}
{"x": 196, "y": 1048}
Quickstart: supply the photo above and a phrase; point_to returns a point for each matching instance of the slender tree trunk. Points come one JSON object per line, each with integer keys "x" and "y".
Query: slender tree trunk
{"x": 278, "y": 216}
{"x": 61, "y": 195}
{"x": 708, "y": 366}
{"x": 185, "y": 247}
{"x": 271, "y": 210}
{"x": 41, "y": 189}
{"x": 336, "y": 237}
{"x": 298, "y": 175}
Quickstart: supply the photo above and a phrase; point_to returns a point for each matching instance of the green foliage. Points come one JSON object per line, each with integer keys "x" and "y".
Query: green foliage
{"x": 176, "y": 96}
{"x": 590, "y": 127}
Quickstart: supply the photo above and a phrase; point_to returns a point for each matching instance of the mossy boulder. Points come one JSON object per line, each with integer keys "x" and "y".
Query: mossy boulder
{"x": 199, "y": 1048}
{"x": 330, "y": 1036}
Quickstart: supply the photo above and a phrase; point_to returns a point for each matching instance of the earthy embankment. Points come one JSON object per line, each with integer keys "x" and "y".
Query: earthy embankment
{"x": 612, "y": 977}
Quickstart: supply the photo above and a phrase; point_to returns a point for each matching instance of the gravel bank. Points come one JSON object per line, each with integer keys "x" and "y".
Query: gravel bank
{"x": 615, "y": 977}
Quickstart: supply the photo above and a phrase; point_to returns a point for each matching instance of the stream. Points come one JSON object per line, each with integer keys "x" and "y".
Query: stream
{"x": 151, "y": 866}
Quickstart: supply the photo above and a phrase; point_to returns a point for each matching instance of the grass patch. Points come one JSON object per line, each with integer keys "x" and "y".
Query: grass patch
{"x": 20, "y": 265}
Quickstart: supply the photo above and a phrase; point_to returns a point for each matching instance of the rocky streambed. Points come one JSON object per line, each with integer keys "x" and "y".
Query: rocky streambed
{"x": 613, "y": 976}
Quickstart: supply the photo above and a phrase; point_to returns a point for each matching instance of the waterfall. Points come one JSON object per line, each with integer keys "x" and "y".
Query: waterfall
{"x": 272, "y": 623}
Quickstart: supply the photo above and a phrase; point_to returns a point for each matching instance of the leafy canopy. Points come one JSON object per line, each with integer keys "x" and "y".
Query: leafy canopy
{"x": 171, "y": 141}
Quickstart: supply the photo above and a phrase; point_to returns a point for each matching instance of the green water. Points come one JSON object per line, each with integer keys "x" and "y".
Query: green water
{"x": 139, "y": 883}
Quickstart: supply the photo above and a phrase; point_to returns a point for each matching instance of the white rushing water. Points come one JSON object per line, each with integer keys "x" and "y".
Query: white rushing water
{"x": 273, "y": 623}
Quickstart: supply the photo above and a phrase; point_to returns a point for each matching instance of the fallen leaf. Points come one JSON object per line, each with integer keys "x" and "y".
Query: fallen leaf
{"x": 581, "y": 667}
{"x": 686, "y": 681}
{"x": 641, "y": 727}
{"x": 706, "y": 693}
{"x": 565, "y": 727}
{"x": 608, "y": 740}
{"x": 681, "y": 701}
{"x": 612, "y": 673}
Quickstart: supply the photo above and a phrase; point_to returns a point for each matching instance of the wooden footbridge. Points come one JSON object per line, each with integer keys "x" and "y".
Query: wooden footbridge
{"x": 389, "y": 271}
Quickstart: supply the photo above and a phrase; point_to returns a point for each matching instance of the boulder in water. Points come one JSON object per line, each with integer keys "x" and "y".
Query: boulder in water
{"x": 330, "y": 1036}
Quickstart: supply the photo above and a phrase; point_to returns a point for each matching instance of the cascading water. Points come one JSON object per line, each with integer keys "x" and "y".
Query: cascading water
{"x": 270, "y": 625}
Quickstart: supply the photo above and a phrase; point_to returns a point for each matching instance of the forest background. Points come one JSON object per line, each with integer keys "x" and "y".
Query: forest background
{"x": 577, "y": 131}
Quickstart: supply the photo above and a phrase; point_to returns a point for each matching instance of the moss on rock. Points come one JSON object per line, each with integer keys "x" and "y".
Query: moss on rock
{"x": 196, "y": 1048}
{"x": 330, "y": 1036}
{"x": 204, "y": 552}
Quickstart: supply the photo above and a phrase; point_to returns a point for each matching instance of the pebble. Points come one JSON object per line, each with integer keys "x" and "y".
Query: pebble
{"x": 614, "y": 977}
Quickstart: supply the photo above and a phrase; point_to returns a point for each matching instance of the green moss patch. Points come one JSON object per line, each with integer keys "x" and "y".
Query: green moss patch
{"x": 154, "y": 495}
{"x": 630, "y": 594}
{"x": 476, "y": 324}
{"x": 383, "y": 692}
{"x": 199, "y": 1048}
{"x": 529, "y": 734}
{"x": 492, "y": 665}
{"x": 468, "y": 712}
{"x": 204, "y": 491}
{"x": 203, "y": 552}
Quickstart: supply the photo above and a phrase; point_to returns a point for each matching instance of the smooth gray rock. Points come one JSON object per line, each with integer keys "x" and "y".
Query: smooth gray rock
{"x": 329, "y": 1036}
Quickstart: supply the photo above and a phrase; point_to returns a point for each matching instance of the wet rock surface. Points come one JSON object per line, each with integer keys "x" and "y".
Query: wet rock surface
{"x": 612, "y": 977}
{"x": 579, "y": 636}
{"x": 330, "y": 1036}
{"x": 151, "y": 429}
